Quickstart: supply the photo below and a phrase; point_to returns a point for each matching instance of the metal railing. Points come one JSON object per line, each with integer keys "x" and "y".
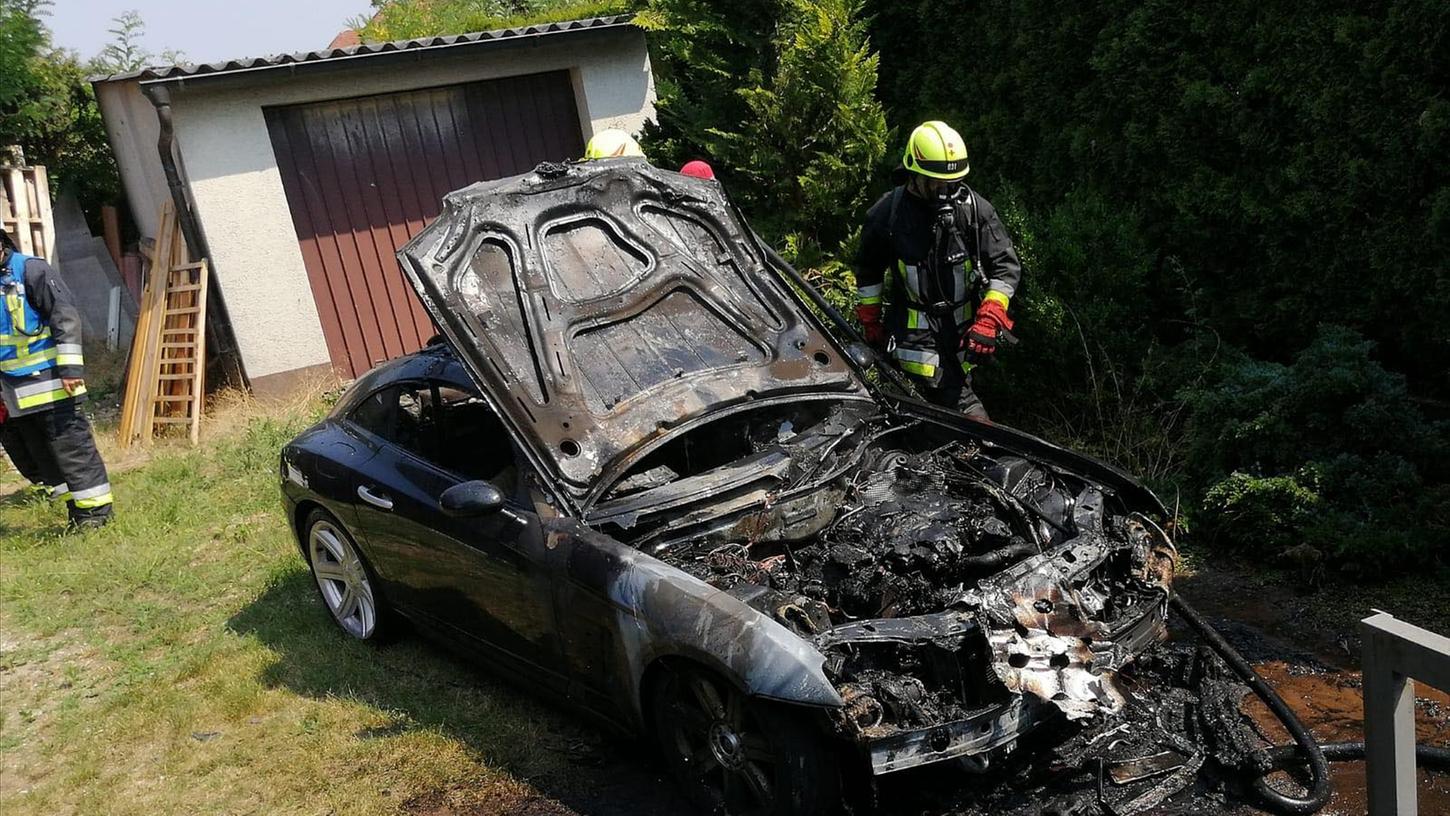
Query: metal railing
{"x": 1394, "y": 655}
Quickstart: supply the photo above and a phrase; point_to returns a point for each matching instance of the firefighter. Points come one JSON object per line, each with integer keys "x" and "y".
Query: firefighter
{"x": 936, "y": 272}
{"x": 611, "y": 144}
{"x": 42, "y": 383}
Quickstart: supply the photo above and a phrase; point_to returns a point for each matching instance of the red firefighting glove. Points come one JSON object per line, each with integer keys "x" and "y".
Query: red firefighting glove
{"x": 991, "y": 326}
{"x": 871, "y": 326}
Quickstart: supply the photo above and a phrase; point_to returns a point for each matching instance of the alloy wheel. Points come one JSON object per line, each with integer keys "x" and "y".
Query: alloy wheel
{"x": 342, "y": 580}
{"x": 720, "y": 746}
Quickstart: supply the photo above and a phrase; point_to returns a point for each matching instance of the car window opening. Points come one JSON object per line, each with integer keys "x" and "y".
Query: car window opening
{"x": 446, "y": 426}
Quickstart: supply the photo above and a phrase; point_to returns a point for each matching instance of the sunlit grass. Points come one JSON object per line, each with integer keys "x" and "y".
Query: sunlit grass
{"x": 178, "y": 661}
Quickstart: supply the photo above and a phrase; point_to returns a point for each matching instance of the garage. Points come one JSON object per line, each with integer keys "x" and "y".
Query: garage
{"x": 364, "y": 175}
{"x": 303, "y": 173}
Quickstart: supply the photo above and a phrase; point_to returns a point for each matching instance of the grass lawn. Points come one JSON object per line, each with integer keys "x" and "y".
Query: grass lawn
{"x": 179, "y": 661}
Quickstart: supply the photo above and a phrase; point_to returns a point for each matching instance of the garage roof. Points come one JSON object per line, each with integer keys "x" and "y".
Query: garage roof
{"x": 173, "y": 73}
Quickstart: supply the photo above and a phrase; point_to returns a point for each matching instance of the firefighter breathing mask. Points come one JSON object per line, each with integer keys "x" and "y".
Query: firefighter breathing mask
{"x": 936, "y": 191}
{"x": 947, "y": 233}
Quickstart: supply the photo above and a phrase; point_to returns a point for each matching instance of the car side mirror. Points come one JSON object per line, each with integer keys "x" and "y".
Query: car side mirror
{"x": 471, "y": 499}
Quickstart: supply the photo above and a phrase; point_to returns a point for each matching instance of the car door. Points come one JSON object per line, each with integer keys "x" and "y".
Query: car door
{"x": 482, "y": 580}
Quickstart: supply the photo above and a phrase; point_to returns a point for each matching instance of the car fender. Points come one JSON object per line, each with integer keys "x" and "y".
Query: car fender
{"x": 663, "y": 612}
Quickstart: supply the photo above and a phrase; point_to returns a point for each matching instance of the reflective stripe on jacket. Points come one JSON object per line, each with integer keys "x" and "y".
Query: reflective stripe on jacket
{"x": 38, "y": 390}
{"x": 922, "y": 321}
{"x": 26, "y": 344}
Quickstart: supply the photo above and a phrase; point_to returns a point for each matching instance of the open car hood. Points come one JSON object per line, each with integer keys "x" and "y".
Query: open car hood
{"x": 599, "y": 305}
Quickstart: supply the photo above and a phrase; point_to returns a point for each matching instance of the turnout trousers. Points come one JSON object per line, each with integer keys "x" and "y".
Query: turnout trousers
{"x": 62, "y": 450}
{"x": 950, "y": 385}
{"x": 37, "y": 466}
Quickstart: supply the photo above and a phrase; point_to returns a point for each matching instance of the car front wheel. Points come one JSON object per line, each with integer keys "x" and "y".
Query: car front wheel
{"x": 343, "y": 579}
{"x": 737, "y": 756}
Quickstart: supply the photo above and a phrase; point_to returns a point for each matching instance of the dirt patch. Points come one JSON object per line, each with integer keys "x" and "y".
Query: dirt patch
{"x": 1319, "y": 620}
{"x": 1351, "y": 796}
{"x": 1331, "y": 705}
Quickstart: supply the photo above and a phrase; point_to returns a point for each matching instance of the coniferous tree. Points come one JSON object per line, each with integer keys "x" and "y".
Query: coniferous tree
{"x": 781, "y": 97}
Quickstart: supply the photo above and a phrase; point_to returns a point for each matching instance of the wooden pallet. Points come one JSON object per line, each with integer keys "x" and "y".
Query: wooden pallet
{"x": 25, "y": 210}
{"x": 165, "y": 378}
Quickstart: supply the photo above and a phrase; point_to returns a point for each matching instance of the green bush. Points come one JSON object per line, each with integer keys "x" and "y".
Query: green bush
{"x": 1265, "y": 514}
{"x": 703, "y": 53}
{"x": 1082, "y": 301}
{"x": 1329, "y": 451}
{"x": 1288, "y": 156}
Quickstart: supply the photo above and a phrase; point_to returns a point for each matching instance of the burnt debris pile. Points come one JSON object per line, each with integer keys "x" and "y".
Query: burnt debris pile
{"x": 923, "y": 532}
{"x": 1180, "y": 746}
{"x": 949, "y": 579}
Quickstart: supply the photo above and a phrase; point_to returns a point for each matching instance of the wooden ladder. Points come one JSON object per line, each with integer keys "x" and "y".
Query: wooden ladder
{"x": 165, "y": 382}
{"x": 182, "y": 350}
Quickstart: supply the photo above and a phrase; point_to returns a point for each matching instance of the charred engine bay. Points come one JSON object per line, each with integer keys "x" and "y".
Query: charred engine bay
{"x": 1180, "y": 746}
{"x": 939, "y": 576}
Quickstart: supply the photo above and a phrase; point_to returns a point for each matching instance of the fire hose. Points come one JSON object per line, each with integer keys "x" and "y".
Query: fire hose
{"x": 1305, "y": 748}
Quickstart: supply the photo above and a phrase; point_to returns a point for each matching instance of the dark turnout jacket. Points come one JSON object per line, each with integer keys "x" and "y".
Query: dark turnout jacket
{"x": 909, "y": 240}
{"x": 930, "y": 278}
{"x": 54, "y": 304}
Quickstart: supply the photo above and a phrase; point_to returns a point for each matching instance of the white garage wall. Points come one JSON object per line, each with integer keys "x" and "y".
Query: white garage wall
{"x": 236, "y": 189}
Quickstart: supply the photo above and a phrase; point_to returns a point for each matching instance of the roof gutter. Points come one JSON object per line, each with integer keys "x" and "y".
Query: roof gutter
{"x": 220, "y": 340}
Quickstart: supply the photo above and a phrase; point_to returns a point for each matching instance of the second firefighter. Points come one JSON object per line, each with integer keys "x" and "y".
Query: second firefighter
{"x": 936, "y": 271}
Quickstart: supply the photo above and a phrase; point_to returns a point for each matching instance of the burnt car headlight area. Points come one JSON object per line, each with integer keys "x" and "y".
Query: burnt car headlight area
{"x": 959, "y": 593}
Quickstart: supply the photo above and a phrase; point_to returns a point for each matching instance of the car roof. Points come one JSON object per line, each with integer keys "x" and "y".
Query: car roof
{"x": 436, "y": 361}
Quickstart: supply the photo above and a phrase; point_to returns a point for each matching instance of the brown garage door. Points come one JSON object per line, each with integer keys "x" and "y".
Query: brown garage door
{"x": 364, "y": 175}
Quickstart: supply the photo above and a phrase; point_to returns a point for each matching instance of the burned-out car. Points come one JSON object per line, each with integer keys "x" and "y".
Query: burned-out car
{"x": 639, "y": 474}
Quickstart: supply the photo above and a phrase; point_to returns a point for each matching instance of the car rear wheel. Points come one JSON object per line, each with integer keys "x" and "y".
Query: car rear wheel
{"x": 738, "y": 756}
{"x": 344, "y": 580}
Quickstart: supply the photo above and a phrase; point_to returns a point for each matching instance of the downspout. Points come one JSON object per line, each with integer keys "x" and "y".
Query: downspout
{"x": 220, "y": 340}
{"x": 160, "y": 98}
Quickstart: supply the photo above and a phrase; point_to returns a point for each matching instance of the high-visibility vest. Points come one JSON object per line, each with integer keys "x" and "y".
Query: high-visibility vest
{"x": 26, "y": 346}
{"x": 915, "y": 345}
